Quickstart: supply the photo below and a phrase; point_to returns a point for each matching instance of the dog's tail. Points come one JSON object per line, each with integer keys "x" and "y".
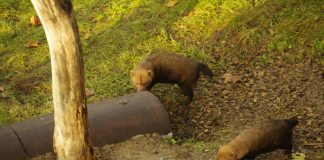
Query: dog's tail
{"x": 292, "y": 122}
{"x": 205, "y": 70}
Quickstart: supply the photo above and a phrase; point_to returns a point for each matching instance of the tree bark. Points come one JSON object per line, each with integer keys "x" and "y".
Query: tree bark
{"x": 71, "y": 135}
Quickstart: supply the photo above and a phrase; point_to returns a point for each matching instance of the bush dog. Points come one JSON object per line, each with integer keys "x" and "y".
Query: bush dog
{"x": 276, "y": 134}
{"x": 169, "y": 68}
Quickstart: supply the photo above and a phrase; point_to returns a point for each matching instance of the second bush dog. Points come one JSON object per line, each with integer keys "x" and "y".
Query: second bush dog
{"x": 276, "y": 134}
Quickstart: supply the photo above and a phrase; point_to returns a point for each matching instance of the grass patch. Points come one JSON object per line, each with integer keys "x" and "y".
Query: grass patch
{"x": 116, "y": 34}
{"x": 291, "y": 30}
{"x": 198, "y": 145}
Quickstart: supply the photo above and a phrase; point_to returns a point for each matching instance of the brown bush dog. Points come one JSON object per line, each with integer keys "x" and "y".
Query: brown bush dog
{"x": 169, "y": 68}
{"x": 276, "y": 134}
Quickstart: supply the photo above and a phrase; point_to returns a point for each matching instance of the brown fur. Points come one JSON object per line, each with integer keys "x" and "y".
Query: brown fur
{"x": 168, "y": 68}
{"x": 276, "y": 134}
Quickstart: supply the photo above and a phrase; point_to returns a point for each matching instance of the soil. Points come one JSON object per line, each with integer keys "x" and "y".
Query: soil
{"x": 221, "y": 110}
{"x": 255, "y": 94}
{"x": 143, "y": 147}
{"x": 149, "y": 148}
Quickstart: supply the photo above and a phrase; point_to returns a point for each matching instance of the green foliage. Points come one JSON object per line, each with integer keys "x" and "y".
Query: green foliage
{"x": 170, "y": 140}
{"x": 198, "y": 145}
{"x": 298, "y": 156}
{"x": 317, "y": 49}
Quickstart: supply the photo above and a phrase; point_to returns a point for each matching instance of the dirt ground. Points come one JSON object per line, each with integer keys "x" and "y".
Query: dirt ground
{"x": 220, "y": 110}
{"x": 255, "y": 94}
{"x": 144, "y": 147}
{"x": 149, "y": 148}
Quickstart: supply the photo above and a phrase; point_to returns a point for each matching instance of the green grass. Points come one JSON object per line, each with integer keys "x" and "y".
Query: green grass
{"x": 291, "y": 30}
{"x": 198, "y": 145}
{"x": 116, "y": 34}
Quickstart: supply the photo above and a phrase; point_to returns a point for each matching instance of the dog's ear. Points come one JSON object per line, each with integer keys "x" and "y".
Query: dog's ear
{"x": 150, "y": 73}
{"x": 234, "y": 156}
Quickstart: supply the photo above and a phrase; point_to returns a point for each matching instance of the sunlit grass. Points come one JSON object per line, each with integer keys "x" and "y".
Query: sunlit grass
{"x": 288, "y": 29}
{"x": 117, "y": 34}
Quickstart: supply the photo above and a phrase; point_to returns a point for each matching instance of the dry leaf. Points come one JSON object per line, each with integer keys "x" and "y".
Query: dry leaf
{"x": 309, "y": 109}
{"x": 89, "y": 92}
{"x": 1, "y": 89}
{"x": 228, "y": 77}
{"x": 35, "y": 21}
{"x": 235, "y": 60}
{"x": 182, "y": 27}
{"x": 271, "y": 31}
{"x": 260, "y": 74}
{"x": 171, "y": 3}
{"x": 309, "y": 122}
{"x": 225, "y": 92}
{"x": 32, "y": 44}
{"x": 309, "y": 61}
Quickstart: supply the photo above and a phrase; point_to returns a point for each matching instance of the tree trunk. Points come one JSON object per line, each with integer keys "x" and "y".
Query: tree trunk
{"x": 71, "y": 135}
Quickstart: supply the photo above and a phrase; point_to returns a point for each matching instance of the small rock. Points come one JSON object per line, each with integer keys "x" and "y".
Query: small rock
{"x": 123, "y": 101}
{"x": 137, "y": 136}
{"x": 155, "y": 151}
{"x": 183, "y": 156}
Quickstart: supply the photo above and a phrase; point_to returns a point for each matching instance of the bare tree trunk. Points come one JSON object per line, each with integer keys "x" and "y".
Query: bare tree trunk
{"x": 71, "y": 135}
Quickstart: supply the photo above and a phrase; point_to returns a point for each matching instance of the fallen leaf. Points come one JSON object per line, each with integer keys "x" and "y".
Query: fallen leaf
{"x": 260, "y": 74}
{"x": 271, "y": 31}
{"x": 32, "y": 44}
{"x": 319, "y": 139}
{"x": 171, "y": 3}
{"x": 89, "y": 92}
{"x": 182, "y": 27}
{"x": 226, "y": 92}
{"x": 309, "y": 61}
{"x": 235, "y": 60}
{"x": 228, "y": 77}
{"x": 309, "y": 109}
{"x": 1, "y": 89}
{"x": 263, "y": 94}
{"x": 35, "y": 21}
{"x": 309, "y": 122}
